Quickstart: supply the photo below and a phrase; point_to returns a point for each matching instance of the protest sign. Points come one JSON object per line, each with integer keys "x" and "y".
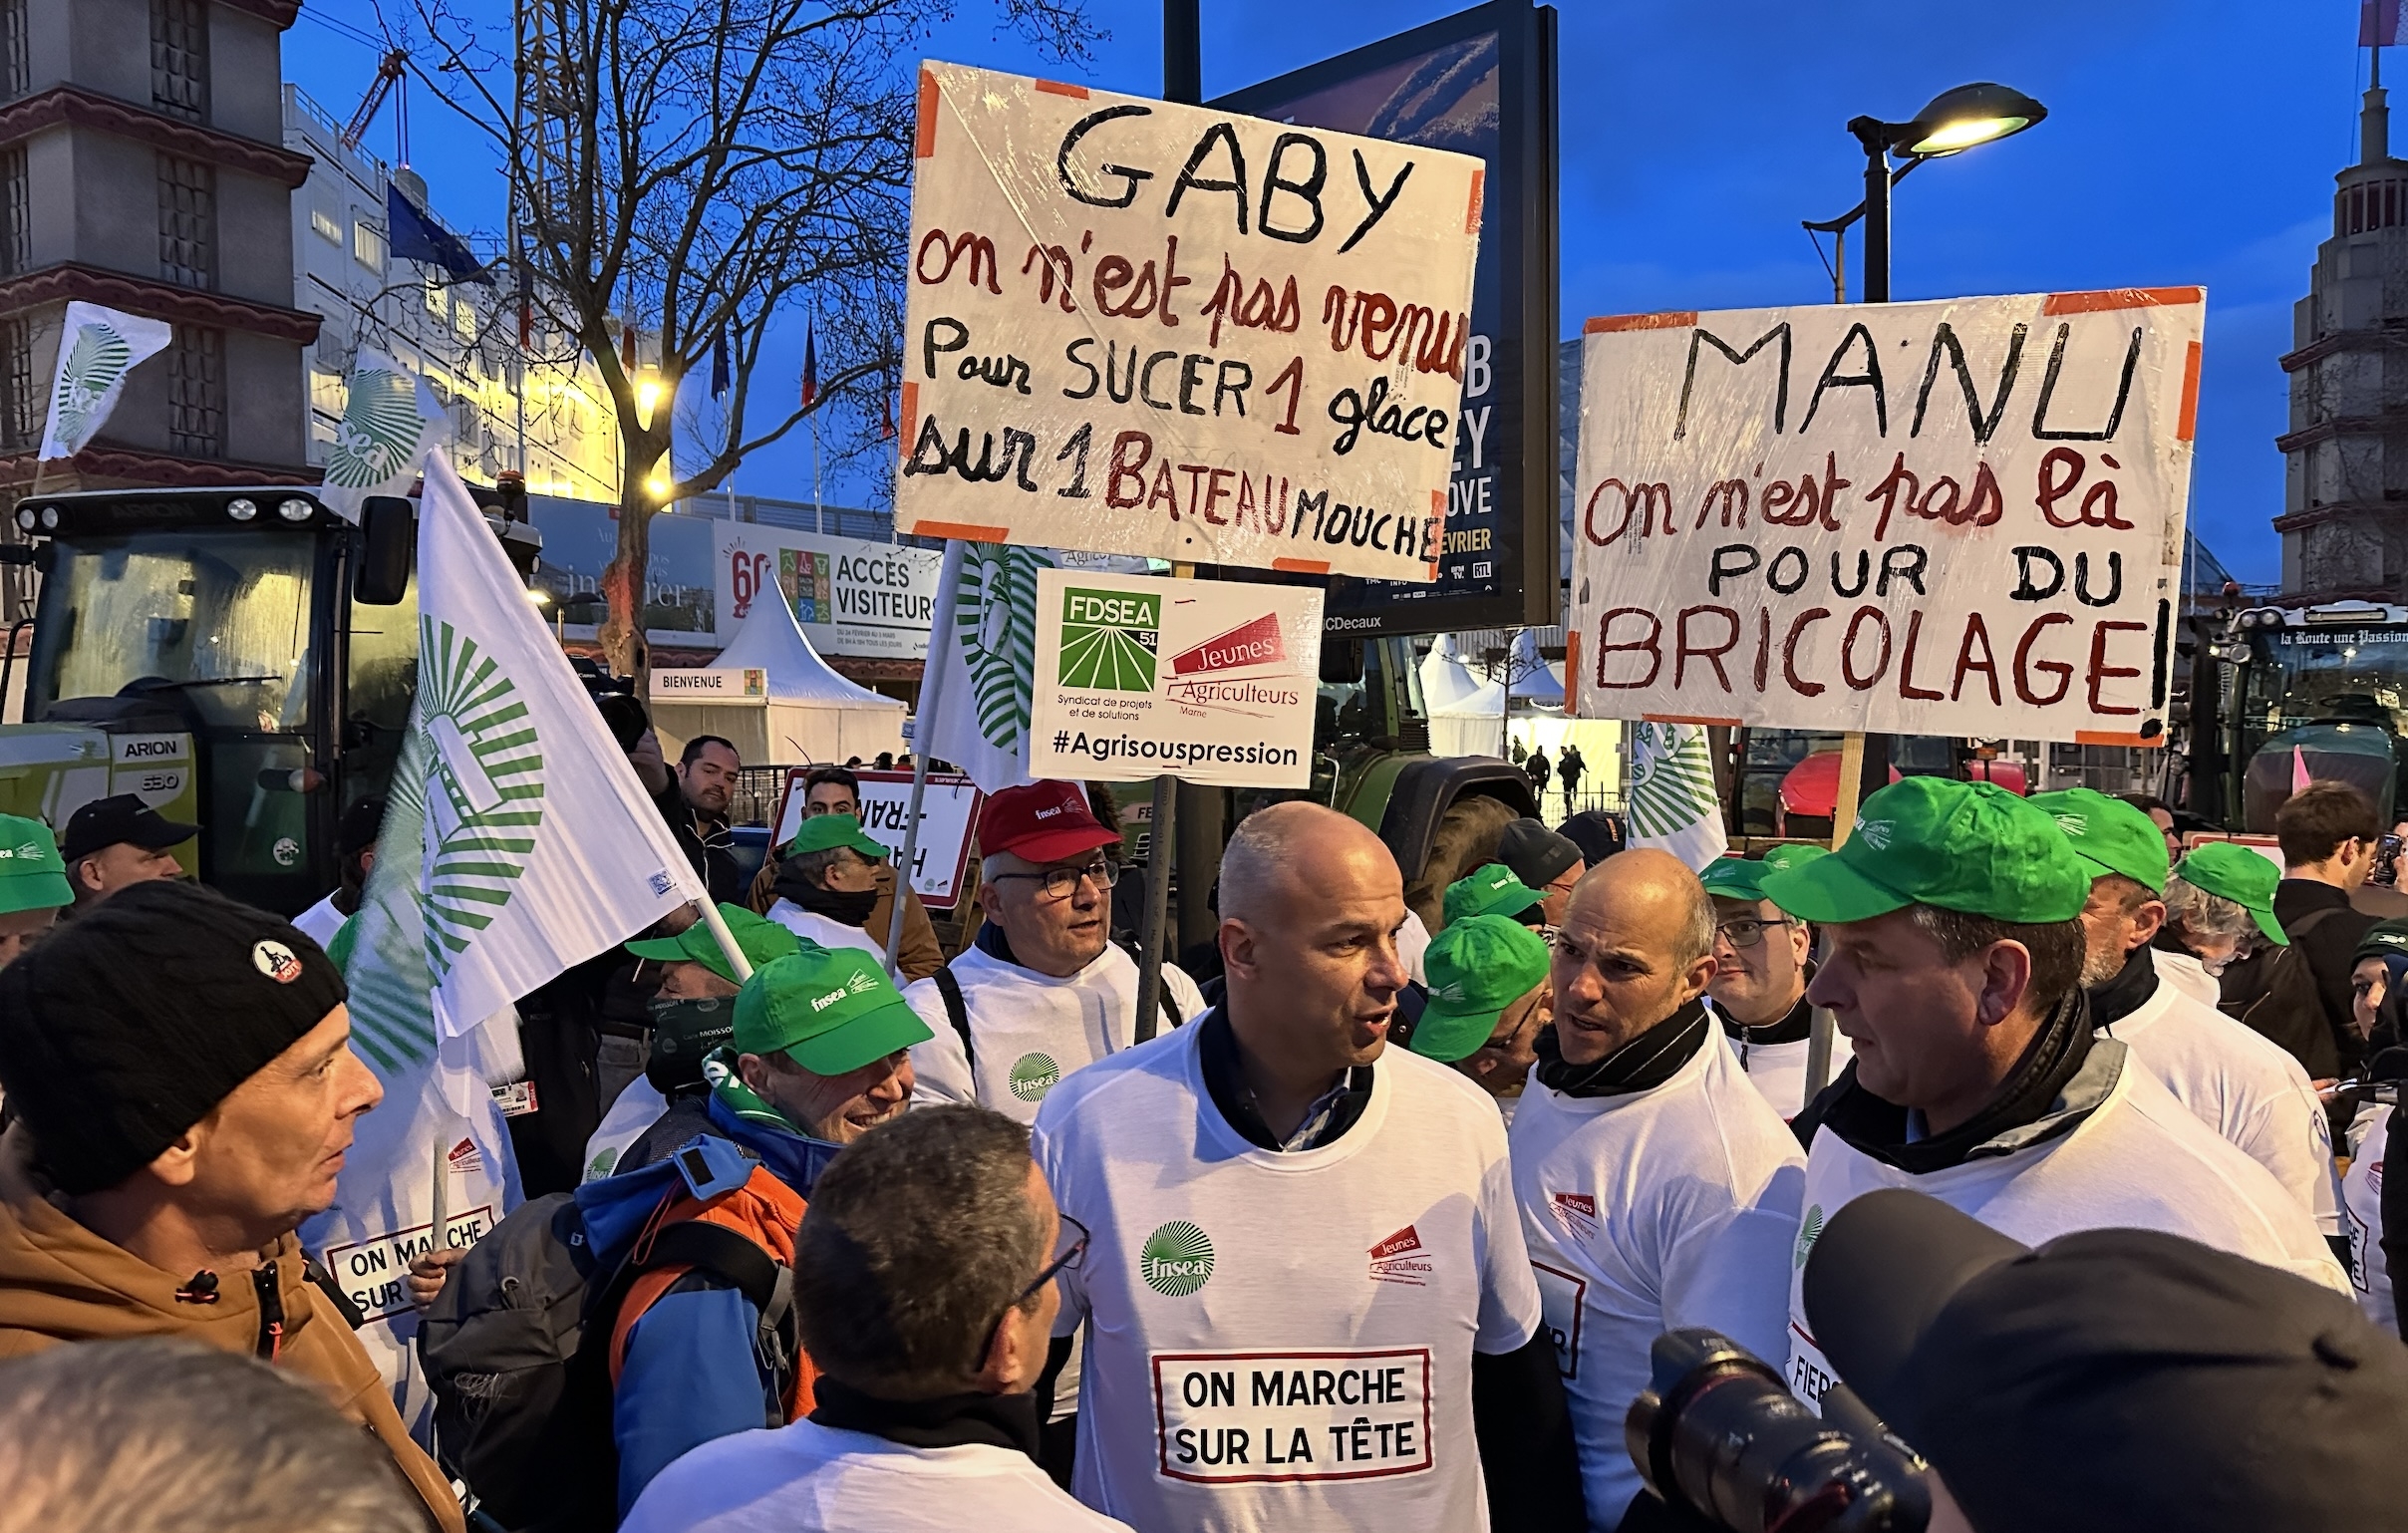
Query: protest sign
{"x": 1959, "y": 517}
{"x": 1145, "y": 328}
{"x": 948, "y": 814}
{"x": 1210, "y": 682}
{"x": 851, "y": 597}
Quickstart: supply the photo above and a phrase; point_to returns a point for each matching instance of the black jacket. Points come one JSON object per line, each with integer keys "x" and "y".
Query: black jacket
{"x": 2328, "y": 946}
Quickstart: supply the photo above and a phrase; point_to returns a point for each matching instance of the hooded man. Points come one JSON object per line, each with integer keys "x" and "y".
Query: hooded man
{"x": 180, "y": 1070}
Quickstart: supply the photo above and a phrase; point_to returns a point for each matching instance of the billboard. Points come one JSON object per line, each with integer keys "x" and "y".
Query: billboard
{"x": 851, "y": 597}
{"x": 1480, "y": 83}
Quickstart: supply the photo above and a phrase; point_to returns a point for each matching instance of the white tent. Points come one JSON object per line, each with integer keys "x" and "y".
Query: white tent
{"x": 806, "y": 712}
{"x": 1535, "y": 683}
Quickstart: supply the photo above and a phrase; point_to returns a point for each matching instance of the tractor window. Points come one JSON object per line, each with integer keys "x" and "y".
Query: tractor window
{"x": 221, "y": 615}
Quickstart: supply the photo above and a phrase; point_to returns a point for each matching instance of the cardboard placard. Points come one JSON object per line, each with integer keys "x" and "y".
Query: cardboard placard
{"x": 1207, "y": 681}
{"x": 1957, "y": 518}
{"x": 948, "y": 812}
{"x": 1137, "y": 326}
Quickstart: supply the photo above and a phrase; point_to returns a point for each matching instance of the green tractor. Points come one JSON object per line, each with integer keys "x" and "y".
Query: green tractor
{"x": 244, "y": 659}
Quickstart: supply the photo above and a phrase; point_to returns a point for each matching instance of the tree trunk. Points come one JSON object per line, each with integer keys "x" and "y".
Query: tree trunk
{"x": 622, "y": 631}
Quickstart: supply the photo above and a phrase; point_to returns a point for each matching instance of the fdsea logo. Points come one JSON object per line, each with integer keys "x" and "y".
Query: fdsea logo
{"x": 1176, "y": 1259}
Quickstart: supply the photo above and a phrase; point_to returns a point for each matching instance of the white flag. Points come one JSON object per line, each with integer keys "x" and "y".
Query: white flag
{"x": 1671, "y": 802}
{"x": 96, "y": 351}
{"x": 391, "y": 420}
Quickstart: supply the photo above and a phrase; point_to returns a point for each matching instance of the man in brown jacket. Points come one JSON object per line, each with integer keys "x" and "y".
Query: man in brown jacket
{"x": 185, "y": 1088}
{"x": 835, "y": 791}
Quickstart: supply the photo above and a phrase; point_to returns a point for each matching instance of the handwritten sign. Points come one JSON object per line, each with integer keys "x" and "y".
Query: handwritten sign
{"x": 1208, "y": 681}
{"x": 1143, "y": 328}
{"x": 1960, "y": 517}
{"x": 949, "y": 812}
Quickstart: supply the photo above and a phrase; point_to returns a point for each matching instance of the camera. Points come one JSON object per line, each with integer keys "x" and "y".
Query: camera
{"x": 1719, "y": 1435}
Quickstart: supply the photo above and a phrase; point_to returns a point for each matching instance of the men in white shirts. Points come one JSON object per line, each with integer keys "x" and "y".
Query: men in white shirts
{"x": 1657, "y": 1187}
{"x": 1954, "y": 963}
{"x": 1760, "y": 972}
{"x": 2240, "y": 1085}
{"x": 924, "y": 1283}
{"x": 1308, "y": 1302}
{"x": 828, "y": 885}
{"x": 1041, "y": 990}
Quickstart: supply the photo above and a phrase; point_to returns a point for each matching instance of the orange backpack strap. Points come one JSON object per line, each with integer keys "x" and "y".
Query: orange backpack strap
{"x": 746, "y": 1236}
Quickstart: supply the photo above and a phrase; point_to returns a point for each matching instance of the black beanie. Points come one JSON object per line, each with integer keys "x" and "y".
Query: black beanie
{"x": 131, "y": 1023}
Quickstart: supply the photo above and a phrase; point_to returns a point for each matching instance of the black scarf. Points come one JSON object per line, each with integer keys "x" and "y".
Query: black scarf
{"x": 1794, "y": 1027}
{"x": 1878, "y": 1128}
{"x": 950, "y": 1420}
{"x": 2118, "y": 998}
{"x": 841, "y": 908}
{"x": 1641, "y": 1065}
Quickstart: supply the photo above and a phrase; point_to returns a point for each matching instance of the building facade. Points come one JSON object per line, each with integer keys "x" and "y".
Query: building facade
{"x": 2344, "y": 521}
{"x": 540, "y": 410}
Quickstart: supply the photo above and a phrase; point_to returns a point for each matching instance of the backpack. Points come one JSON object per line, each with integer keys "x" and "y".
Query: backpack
{"x": 523, "y": 1404}
{"x": 2287, "y": 1009}
{"x": 957, "y": 1010}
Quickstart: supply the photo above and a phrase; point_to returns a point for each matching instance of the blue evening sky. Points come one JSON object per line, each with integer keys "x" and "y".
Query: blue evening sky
{"x": 2190, "y": 142}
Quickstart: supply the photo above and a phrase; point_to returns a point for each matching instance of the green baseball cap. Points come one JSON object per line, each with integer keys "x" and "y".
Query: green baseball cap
{"x": 2231, "y": 872}
{"x": 1973, "y": 847}
{"x": 1478, "y": 967}
{"x": 2384, "y": 939}
{"x": 823, "y": 833}
{"x": 830, "y": 1009}
{"x": 1736, "y": 878}
{"x": 32, "y": 874}
{"x": 2109, "y": 834}
{"x": 759, "y": 939}
{"x": 1492, "y": 890}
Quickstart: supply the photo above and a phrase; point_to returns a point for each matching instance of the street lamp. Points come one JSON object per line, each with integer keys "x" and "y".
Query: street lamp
{"x": 1950, "y": 124}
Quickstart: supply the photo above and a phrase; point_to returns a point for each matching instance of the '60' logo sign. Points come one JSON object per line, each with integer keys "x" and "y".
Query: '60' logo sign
{"x": 751, "y": 576}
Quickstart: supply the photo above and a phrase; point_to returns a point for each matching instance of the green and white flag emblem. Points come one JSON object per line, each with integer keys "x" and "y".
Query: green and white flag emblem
{"x": 98, "y": 348}
{"x": 1671, "y": 801}
{"x": 391, "y": 420}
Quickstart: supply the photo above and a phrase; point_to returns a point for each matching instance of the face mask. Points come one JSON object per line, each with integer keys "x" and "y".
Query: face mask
{"x": 843, "y": 908}
{"x": 683, "y": 1031}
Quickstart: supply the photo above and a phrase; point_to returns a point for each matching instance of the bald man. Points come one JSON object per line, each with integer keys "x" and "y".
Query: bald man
{"x": 1306, "y": 1296}
{"x": 1657, "y": 1187}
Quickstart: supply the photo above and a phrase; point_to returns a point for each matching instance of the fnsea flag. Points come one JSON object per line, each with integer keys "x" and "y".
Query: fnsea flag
{"x": 391, "y": 421}
{"x": 1672, "y": 800}
{"x": 97, "y": 350}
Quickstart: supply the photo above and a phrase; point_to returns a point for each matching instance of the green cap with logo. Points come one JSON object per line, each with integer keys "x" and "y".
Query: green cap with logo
{"x": 32, "y": 874}
{"x": 1477, "y": 967}
{"x": 1736, "y": 878}
{"x": 2231, "y": 872}
{"x": 2384, "y": 939}
{"x": 1971, "y": 847}
{"x": 823, "y": 833}
{"x": 1492, "y": 890}
{"x": 2109, "y": 835}
{"x": 759, "y": 939}
{"x": 830, "y": 1009}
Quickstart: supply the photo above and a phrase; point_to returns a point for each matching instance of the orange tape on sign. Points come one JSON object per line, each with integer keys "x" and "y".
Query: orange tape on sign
{"x": 2121, "y": 298}
{"x": 1479, "y": 186}
{"x": 924, "y": 140}
{"x": 2114, "y": 738}
{"x": 1697, "y": 719}
{"x": 911, "y": 407}
{"x": 2186, "y": 421}
{"x": 968, "y": 532}
{"x": 1572, "y": 673}
{"x": 1303, "y": 567}
{"x": 1057, "y": 88}
{"x": 1671, "y": 320}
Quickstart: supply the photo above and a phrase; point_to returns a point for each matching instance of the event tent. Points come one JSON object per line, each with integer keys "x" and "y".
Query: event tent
{"x": 806, "y": 712}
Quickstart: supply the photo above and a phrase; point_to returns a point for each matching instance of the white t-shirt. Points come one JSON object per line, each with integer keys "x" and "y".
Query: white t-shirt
{"x": 2188, "y": 976}
{"x": 811, "y": 926}
{"x": 808, "y": 1478}
{"x": 2140, "y": 1160}
{"x": 2244, "y": 1086}
{"x": 1413, "y": 945}
{"x": 321, "y": 921}
{"x": 1032, "y": 1030}
{"x": 2363, "y": 1201}
{"x": 1279, "y": 1341}
{"x": 1778, "y": 1071}
{"x": 1670, "y": 1207}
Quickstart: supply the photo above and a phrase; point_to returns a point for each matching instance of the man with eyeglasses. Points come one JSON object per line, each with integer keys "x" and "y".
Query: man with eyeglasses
{"x": 1760, "y": 976}
{"x": 923, "y": 1279}
{"x": 1042, "y": 991}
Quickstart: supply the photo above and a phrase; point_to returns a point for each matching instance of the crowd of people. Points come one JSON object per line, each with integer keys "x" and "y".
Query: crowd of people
{"x": 2007, "y": 1123}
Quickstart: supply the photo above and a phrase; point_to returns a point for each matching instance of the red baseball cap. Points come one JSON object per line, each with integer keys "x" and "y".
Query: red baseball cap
{"x": 1042, "y": 822}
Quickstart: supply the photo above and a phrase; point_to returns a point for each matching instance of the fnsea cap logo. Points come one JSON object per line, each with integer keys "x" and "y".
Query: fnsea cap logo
{"x": 822, "y": 1003}
{"x": 861, "y": 983}
{"x": 1876, "y": 832}
{"x": 1176, "y": 1259}
{"x": 29, "y": 850}
{"x": 2075, "y": 824}
{"x": 276, "y": 961}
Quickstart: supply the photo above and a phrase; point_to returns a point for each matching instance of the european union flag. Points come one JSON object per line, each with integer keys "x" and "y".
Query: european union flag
{"x": 415, "y": 236}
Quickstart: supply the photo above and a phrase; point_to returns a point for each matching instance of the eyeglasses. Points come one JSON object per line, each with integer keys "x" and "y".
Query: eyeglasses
{"x": 1069, "y": 1250}
{"x": 1061, "y": 882}
{"x": 1746, "y": 931}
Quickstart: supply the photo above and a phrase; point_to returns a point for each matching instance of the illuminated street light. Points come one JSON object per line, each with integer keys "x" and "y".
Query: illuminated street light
{"x": 1956, "y": 120}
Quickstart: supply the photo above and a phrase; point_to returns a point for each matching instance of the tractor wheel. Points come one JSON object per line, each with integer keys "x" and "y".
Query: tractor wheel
{"x": 1466, "y": 839}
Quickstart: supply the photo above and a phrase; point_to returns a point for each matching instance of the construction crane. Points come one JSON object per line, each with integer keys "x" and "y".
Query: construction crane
{"x": 390, "y": 71}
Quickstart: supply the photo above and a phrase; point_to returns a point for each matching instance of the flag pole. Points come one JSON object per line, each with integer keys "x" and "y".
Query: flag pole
{"x": 726, "y": 939}
{"x": 939, "y": 634}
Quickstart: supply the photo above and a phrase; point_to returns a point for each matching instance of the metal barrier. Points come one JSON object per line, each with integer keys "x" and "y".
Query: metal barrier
{"x": 759, "y": 790}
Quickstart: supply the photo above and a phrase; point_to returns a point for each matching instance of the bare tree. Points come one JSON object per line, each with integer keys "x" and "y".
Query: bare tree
{"x": 687, "y": 169}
